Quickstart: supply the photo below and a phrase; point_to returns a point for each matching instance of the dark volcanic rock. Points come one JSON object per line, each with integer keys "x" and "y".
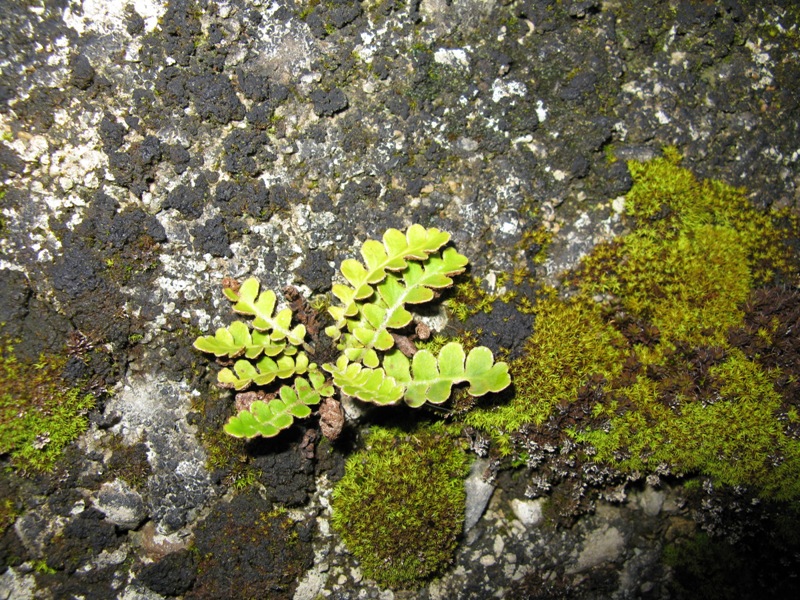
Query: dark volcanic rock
{"x": 241, "y": 149}
{"x": 246, "y": 549}
{"x": 82, "y": 539}
{"x": 189, "y": 200}
{"x": 134, "y": 168}
{"x": 212, "y": 237}
{"x": 504, "y": 328}
{"x": 14, "y": 295}
{"x": 173, "y": 575}
{"x": 215, "y": 98}
{"x": 316, "y": 272}
{"x": 287, "y": 475}
{"x": 327, "y": 104}
{"x": 82, "y": 74}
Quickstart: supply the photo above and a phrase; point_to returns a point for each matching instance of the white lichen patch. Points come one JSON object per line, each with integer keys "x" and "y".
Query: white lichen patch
{"x": 16, "y": 584}
{"x": 541, "y": 111}
{"x": 507, "y": 89}
{"x": 601, "y": 546}
{"x": 29, "y": 148}
{"x": 155, "y": 411}
{"x": 529, "y": 512}
{"x": 287, "y": 48}
{"x": 762, "y": 76}
{"x": 107, "y": 17}
{"x": 452, "y": 57}
{"x": 182, "y": 276}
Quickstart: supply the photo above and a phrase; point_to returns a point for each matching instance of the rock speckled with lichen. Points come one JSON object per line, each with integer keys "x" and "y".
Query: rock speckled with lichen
{"x": 150, "y": 148}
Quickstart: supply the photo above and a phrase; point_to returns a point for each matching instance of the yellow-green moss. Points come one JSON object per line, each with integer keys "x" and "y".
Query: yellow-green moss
{"x": 39, "y": 413}
{"x": 732, "y": 439}
{"x": 696, "y": 250}
{"x": 229, "y": 454}
{"x": 400, "y": 506}
{"x": 648, "y": 324}
{"x": 8, "y": 513}
{"x": 570, "y": 343}
{"x": 469, "y": 298}
{"x": 128, "y": 461}
{"x": 536, "y": 242}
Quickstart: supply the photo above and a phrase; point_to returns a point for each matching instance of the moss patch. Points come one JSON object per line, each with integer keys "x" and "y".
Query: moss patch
{"x": 570, "y": 345}
{"x": 400, "y": 506}
{"x": 39, "y": 413}
{"x": 662, "y": 346}
{"x": 129, "y": 462}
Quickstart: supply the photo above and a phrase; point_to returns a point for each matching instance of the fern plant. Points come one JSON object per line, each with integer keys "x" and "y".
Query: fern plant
{"x": 265, "y": 349}
{"x": 405, "y": 268}
{"x": 402, "y": 269}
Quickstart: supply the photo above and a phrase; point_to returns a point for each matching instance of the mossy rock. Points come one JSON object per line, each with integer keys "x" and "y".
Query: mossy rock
{"x": 400, "y": 506}
{"x": 250, "y": 549}
{"x": 40, "y": 413}
{"x": 650, "y": 343}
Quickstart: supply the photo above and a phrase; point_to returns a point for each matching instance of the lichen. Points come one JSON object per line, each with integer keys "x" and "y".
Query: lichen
{"x": 400, "y": 506}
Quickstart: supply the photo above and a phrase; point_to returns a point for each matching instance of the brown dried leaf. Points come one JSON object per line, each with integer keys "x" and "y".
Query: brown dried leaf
{"x": 405, "y": 345}
{"x": 331, "y": 418}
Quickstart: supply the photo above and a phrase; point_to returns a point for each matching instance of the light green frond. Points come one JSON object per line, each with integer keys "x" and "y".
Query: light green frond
{"x": 263, "y": 372}
{"x": 267, "y": 419}
{"x": 248, "y": 301}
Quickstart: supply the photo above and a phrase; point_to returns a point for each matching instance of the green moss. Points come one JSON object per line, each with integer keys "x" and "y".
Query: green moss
{"x": 685, "y": 271}
{"x": 129, "y": 461}
{"x": 571, "y": 343}
{"x": 8, "y": 513}
{"x": 730, "y": 439}
{"x": 41, "y": 566}
{"x": 39, "y": 413}
{"x": 535, "y": 243}
{"x": 469, "y": 298}
{"x": 644, "y": 340}
{"x": 229, "y": 454}
{"x": 400, "y": 506}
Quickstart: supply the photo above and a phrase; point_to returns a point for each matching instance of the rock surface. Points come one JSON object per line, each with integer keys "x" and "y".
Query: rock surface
{"x": 150, "y": 148}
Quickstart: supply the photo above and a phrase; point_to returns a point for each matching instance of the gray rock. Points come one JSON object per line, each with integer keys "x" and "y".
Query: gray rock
{"x": 637, "y": 153}
{"x": 122, "y": 505}
{"x": 478, "y": 494}
{"x": 17, "y": 586}
{"x": 33, "y": 528}
{"x": 529, "y": 512}
{"x": 180, "y": 484}
{"x": 601, "y": 546}
{"x": 651, "y": 500}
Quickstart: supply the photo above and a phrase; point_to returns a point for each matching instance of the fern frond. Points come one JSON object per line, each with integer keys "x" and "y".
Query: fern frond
{"x": 248, "y": 301}
{"x": 263, "y": 372}
{"x": 429, "y": 378}
{"x": 414, "y": 285}
{"x": 369, "y": 385}
{"x": 237, "y": 340}
{"x": 267, "y": 419}
{"x": 392, "y": 255}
